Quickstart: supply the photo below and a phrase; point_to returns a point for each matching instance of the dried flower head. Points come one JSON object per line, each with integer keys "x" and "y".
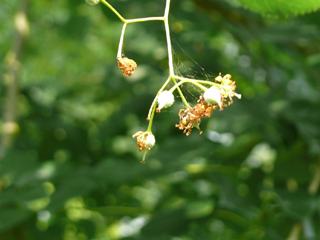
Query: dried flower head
{"x": 128, "y": 66}
{"x": 145, "y": 140}
{"x": 192, "y": 116}
{"x": 227, "y": 89}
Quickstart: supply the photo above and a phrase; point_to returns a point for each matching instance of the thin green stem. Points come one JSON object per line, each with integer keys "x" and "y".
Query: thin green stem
{"x": 186, "y": 81}
{"x": 113, "y": 10}
{"x": 315, "y": 182}
{"x": 197, "y": 80}
{"x": 169, "y": 47}
{"x": 203, "y": 88}
{"x": 9, "y": 124}
{"x": 166, "y": 11}
{"x": 144, "y": 156}
{"x": 295, "y": 232}
{"x": 155, "y": 99}
{"x": 175, "y": 86}
{"x": 131, "y": 20}
{"x": 151, "y": 119}
{"x": 119, "y": 54}
{"x": 199, "y": 86}
{"x": 135, "y": 20}
{"x": 181, "y": 94}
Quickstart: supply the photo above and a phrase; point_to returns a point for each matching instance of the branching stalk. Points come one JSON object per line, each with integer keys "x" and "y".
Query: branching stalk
{"x": 181, "y": 94}
{"x": 147, "y": 19}
{"x": 129, "y": 66}
{"x": 196, "y": 80}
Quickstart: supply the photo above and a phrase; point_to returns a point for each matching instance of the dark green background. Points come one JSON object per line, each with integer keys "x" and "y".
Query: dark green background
{"x": 74, "y": 170}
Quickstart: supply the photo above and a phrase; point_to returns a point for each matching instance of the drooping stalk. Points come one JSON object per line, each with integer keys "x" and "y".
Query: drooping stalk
{"x": 119, "y": 54}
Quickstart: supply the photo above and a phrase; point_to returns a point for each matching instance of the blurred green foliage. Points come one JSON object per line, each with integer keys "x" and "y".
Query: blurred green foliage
{"x": 281, "y": 8}
{"x": 74, "y": 170}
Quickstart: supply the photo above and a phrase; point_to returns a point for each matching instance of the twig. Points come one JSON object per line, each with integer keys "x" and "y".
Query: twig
{"x": 315, "y": 182}
{"x": 312, "y": 189}
{"x": 10, "y": 126}
{"x": 295, "y": 232}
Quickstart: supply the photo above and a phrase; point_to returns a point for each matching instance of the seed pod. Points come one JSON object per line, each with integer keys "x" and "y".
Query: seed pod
{"x": 128, "y": 66}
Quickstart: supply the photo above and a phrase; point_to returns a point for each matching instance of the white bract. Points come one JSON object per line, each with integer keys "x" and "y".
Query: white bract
{"x": 165, "y": 99}
{"x": 92, "y": 2}
{"x": 212, "y": 95}
{"x": 150, "y": 140}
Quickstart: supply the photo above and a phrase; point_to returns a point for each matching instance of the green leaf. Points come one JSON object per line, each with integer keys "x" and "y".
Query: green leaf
{"x": 198, "y": 209}
{"x": 75, "y": 186}
{"x": 11, "y": 217}
{"x": 281, "y": 7}
{"x": 169, "y": 222}
{"x": 297, "y": 205}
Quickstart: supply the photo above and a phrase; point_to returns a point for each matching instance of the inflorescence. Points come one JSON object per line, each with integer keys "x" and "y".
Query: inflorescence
{"x": 215, "y": 94}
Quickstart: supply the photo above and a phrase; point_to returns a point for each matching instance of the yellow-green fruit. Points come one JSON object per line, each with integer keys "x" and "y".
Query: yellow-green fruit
{"x": 92, "y": 2}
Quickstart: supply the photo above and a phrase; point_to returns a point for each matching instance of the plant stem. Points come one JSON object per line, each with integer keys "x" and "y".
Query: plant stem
{"x": 135, "y": 20}
{"x": 113, "y": 10}
{"x": 312, "y": 189}
{"x": 197, "y": 80}
{"x": 295, "y": 232}
{"x": 175, "y": 86}
{"x": 188, "y": 81}
{"x": 10, "y": 127}
{"x": 144, "y": 156}
{"x": 169, "y": 47}
{"x": 151, "y": 118}
{"x": 181, "y": 94}
{"x": 166, "y": 11}
{"x": 119, "y": 54}
{"x": 155, "y": 100}
{"x": 315, "y": 182}
{"x": 195, "y": 83}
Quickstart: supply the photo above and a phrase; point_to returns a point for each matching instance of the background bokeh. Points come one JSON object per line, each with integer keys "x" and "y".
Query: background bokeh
{"x": 73, "y": 170}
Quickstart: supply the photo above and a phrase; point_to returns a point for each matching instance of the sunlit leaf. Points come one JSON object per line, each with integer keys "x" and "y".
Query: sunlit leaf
{"x": 281, "y": 7}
